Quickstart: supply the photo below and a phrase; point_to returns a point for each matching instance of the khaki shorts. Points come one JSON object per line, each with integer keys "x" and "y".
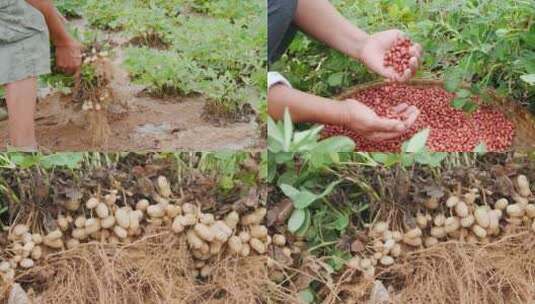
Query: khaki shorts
{"x": 24, "y": 42}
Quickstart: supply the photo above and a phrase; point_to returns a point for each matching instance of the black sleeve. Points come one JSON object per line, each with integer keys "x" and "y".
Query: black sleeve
{"x": 281, "y": 29}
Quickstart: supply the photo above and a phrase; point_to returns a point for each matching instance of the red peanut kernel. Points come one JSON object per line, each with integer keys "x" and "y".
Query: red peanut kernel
{"x": 398, "y": 56}
{"x": 452, "y": 130}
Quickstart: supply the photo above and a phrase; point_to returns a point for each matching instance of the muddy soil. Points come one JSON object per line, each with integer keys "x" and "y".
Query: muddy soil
{"x": 147, "y": 124}
{"x": 137, "y": 121}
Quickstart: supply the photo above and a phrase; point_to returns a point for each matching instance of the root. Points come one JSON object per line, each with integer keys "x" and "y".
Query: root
{"x": 98, "y": 127}
{"x": 94, "y": 91}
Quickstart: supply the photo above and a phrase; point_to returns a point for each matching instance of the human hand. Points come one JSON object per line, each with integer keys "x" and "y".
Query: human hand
{"x": 69, "y": 56}
{"x": 362, "y": 119}
{"x": 373, "y": 50}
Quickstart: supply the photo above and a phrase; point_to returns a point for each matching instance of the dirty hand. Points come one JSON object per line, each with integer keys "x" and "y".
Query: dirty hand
{"x": 363, "y": 120}
{"x": 373, "y": 51}
{"x": 69, "y": 56}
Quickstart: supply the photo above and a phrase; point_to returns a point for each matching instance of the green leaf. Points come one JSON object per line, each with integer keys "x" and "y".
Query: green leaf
{"x": 303, "y": 198}
{"x": 226, "y": 183}
{"x": 24, "y": 160}
{"x": 297, "y": 219}
{"x": 463, "y": 93}
{"x": 380, "y": 157}
{"x": 335, "y": 144}
{"x": 306, "y": 296}
{"x": 289, "y": 177}
{"x": 452, "y": 81}
{"x": 501, "y": 32}
{"x": 271, "y": 169}
{"x": 283, "y": 157}
{"x": 71, "y": 160}
{"x": 306, "y": 140}
{"x": 528, "y": 78}
{"x": 459, "y": 102}
{"x": 481, "y": 148}
{"x": 485, "y": 48}
{"x": 329, "y": 188}
{"x": 437, "y": 158}
{"x": 475, "y": 89}
{"x": 326, "y": 151}
{"x": 300, "y": 198}
{"x": 341, "y": 222}
{"x": 275, "y": 136}
{"x": 338, "y": 259}
{"x": 470, "y": 107}
{"x": 528, "y": 61}
{"x": 336, "y": 79}
{"x": 418, "y": 141}
{"x": 288, "y": 130}
{"x": 387, "y": 159}
{"x": 302, "y": 231}
{"x": 407, "y": 159}
{"x": 289, "y": 191}
{"x": 432, "y": 159}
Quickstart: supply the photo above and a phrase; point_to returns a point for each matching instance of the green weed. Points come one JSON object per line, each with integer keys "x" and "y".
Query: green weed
{"x": 165, "y": 72}
{"x": 70, "y": 8}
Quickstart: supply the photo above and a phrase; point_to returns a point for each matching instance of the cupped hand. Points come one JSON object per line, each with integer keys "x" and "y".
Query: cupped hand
{"x": 362, "y": 119}
{"x": 373, "y": 51}
{"x": 69, "y": 57}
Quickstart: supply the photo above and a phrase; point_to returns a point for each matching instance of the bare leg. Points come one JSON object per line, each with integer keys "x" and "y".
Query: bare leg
{"x": 21, "y": 99}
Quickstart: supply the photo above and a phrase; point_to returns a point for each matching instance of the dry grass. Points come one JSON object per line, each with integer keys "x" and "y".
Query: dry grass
{"x": 500, "y": 272}
{"x": 155, "y": 269}
{"x": 4, "y": 292}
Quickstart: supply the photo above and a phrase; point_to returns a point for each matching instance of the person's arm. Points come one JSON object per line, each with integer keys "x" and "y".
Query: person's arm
{"x": 54, "y": 21}
{"x": 355, "y": 115}
{"x": 68, "y": 50}
{"x": 315, "y": 109}
{"x": 321, "y": 20}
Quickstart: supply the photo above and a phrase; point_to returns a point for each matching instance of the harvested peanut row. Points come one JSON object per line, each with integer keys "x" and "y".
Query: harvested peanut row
{"x": 104, "y": 220}
{"x": 465, "y": 218}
